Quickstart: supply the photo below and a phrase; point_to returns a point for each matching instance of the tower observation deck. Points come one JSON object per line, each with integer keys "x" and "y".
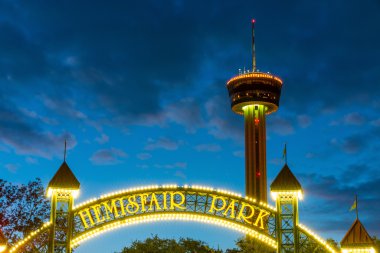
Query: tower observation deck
{"x": 255, "y": 94}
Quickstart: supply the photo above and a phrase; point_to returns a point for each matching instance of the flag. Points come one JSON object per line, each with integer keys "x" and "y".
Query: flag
{"x": 354, "y": 206}
{"x": 284, "y": 153}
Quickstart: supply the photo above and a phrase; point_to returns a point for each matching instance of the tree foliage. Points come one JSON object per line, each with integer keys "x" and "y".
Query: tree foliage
{"x": 23, "y": 208}
{"x": 158, "y": 245}
{"x": 249, "y": 245}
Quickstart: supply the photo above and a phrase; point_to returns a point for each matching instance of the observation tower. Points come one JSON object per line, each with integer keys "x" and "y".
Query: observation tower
{"x": 255, "y": 94}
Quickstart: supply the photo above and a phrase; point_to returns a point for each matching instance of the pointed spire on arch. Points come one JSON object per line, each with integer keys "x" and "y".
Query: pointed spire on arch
{"x": 64, "y": 179}
{"x": 357, "y": 236}
{"x": 285, "y": 181}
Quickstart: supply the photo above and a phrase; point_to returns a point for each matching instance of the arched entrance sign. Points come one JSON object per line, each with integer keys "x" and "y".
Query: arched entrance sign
{"x": 167, "y": 202}
{"x": 170, "y": 202}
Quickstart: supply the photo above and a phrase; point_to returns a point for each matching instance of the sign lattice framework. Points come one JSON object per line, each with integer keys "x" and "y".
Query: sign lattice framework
{"x": 174, "y": 203}
{"x": 199, "y": 204}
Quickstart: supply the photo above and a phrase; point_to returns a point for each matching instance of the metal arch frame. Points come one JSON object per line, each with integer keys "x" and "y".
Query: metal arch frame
{"x": 268, "y": 234}
{"x": 198, "y": 201}
{"x": 172, "y": 216}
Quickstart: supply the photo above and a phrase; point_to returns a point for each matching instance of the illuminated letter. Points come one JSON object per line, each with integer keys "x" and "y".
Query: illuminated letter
{"x": 214, "y": 205}
{"x": 132, "y": 204}
{"x": 164, "y": 199}
{"x": 112, "y": 209}
{"x": 83, "y": 214}
{"x": 241, "y": 214}
{"x": 260, "y": 218}
{"x": 173, "y": 204}
{"x": 122, "y": 206}
{"x": 98, "y": 213}
{"x": 231, "y": 207}
{"x": 153, "y": 200}
{"x": 143, "y": 201}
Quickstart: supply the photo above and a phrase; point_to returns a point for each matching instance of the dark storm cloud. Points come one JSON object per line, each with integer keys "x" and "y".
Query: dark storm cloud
{"x": 352, "y": 144}
{"x": 21, "y": 59}
{"x": 135, "y": 62}
{"x": 27, "y": 138}
{"x": 330, "y": 53}
{"x": 333, "y": 195}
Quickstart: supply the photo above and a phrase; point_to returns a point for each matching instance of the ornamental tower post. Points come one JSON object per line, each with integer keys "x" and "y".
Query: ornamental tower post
{"x": 3, "y": 242}
{"x": 286, "y": 191}
{"x": 357, "y": 240}
{"x": 62, "y": 189}
{"x": 255, "y": 94}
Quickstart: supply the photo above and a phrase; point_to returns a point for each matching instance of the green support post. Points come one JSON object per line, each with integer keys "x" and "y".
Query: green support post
{"x": 286, "y": 191}
{"x": 63, "y": 189}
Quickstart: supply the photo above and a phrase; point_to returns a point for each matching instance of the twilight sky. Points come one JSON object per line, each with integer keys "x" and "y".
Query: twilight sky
{"x": 138, "y": 90}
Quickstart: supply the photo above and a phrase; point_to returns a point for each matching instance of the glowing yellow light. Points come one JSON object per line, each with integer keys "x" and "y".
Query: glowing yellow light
{"x": 3, "y": 248}
{"x": 359, "y": 250}
{"x": 298, "y": 194}
{"x": 74, "y": 193}
{"x": 179, "y": 217}
{"x": 29, "y": 237}
{"x": 317, "y": 238}
{"x": 255, "y": 74}
{"x": 169, "y": 186}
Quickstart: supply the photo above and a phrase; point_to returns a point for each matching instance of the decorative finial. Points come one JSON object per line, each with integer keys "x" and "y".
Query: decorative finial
{"x": 64, "y": 154}
{"x": 253, "y": 47}
{"x": 285, "y": 155}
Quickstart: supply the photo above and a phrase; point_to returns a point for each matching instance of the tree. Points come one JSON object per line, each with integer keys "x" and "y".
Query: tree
{"x": 158, "y": 245}
{"x": 23, "y": 208}
{"x": 249, "y": 245}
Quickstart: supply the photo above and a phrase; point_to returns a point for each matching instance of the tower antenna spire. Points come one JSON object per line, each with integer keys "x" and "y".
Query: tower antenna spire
{"x": 253, "y": 47}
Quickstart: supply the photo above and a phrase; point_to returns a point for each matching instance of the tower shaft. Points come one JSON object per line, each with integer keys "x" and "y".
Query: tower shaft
{"x": 255, "y": 152}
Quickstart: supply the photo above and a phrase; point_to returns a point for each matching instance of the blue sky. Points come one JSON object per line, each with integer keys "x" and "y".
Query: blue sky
{"x": 138, "y": 90}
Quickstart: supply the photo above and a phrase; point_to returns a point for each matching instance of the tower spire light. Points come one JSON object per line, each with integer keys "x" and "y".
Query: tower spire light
{"x": 253, "y": 47}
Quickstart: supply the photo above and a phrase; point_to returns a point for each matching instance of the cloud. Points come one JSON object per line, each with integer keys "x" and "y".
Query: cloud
{"x": 330, "y": 194}
{"x": 35, "y": 115}
{"x": 144, "y": 156}
{"x": 185, "y": 112}
{"x": 356, "y": 172}
{"x": 12, "y": 167}
{"x": 162, "y": 143}
{"x": 376, "y": 123}
{"x": 280, "y": 125}
{"x": 311, "y": 155}
{"x": 22, "y": 59}
{"x": 102, "y": 139}
{"x": 177, "y": 165}
{"x": 108, "y": 156}
{"x": 31, "y": 160}
{"x": 238, "y": 153}
{"x": 208, "y": 147}
{"x": 180, "y": 174}
{"x": 222, "y": 122}
{"x": 303, "y": 120}
{"x": 352, "y": 144}
{"x": 354, "y": 118}
{"x": 29, "y": 139}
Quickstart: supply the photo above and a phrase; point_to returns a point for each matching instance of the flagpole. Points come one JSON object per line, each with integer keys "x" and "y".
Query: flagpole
{"x": 286, "y": 155}
{"x": 64, "y": 153}
{"x": 357, "y": 211}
